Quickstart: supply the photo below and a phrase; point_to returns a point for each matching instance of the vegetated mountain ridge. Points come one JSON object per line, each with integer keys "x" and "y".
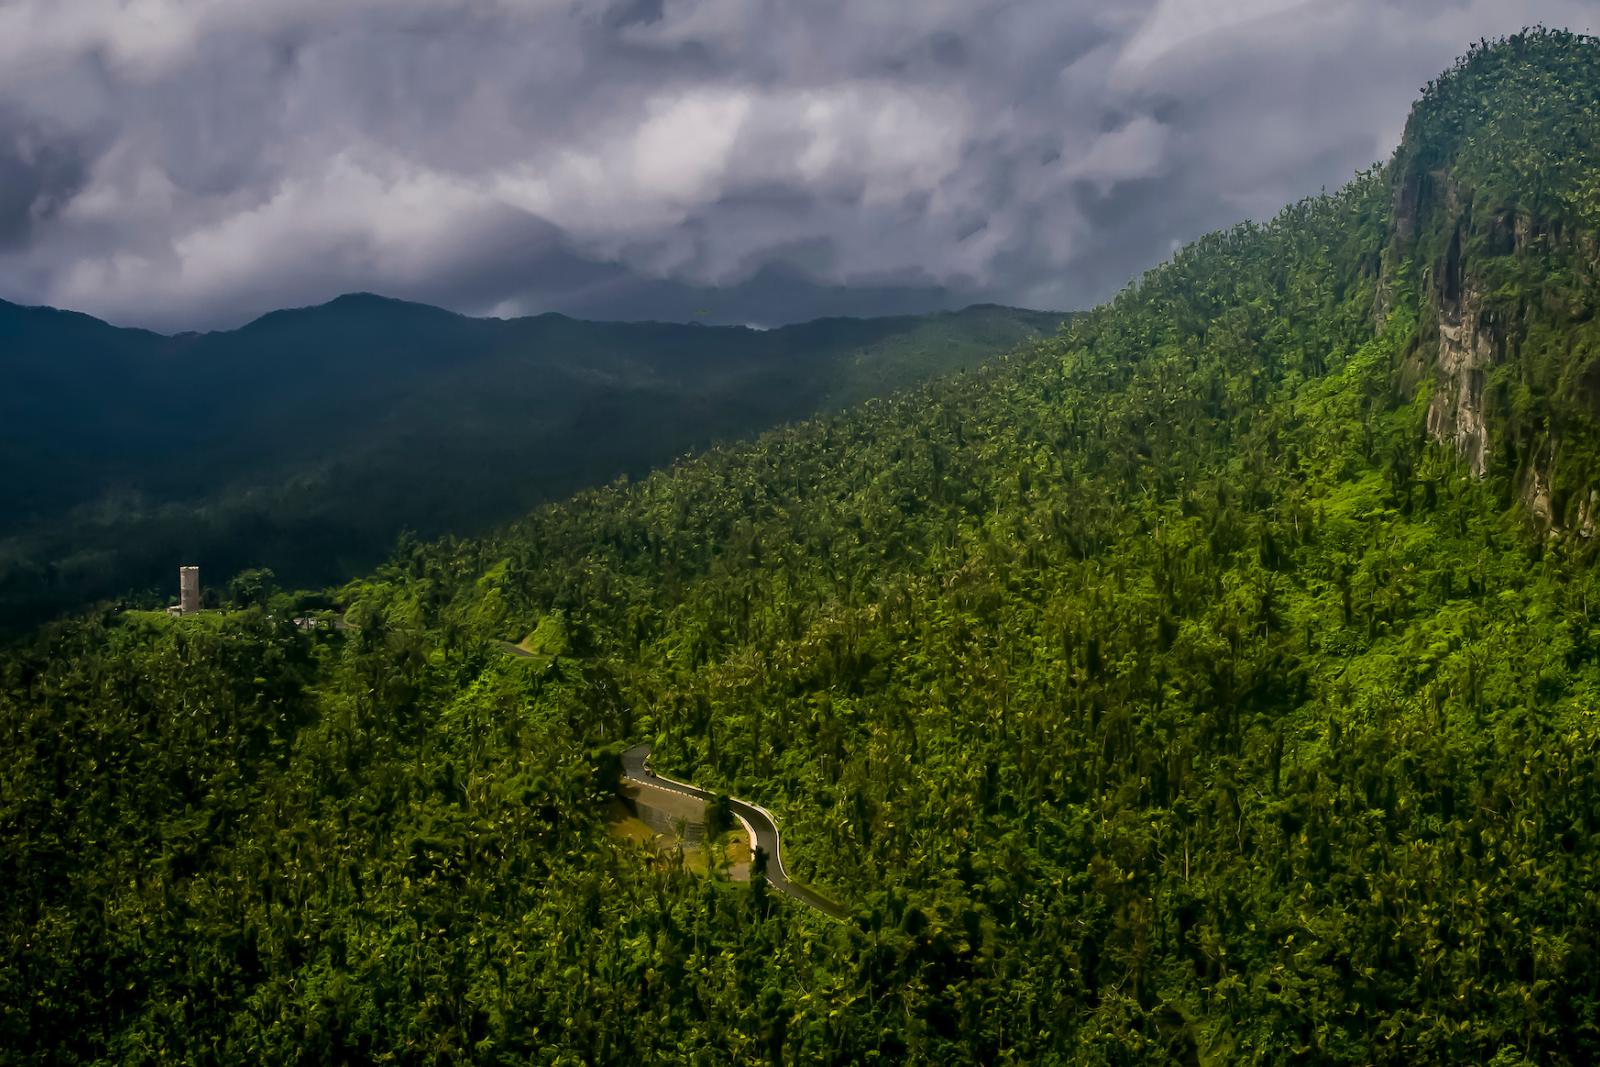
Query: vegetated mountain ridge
{"x": 308, "y": 439}
{"x": 1496, "y": 216}
{"x": 1184, "y": 689}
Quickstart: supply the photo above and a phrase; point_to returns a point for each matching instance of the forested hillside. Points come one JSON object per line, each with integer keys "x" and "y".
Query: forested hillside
{"x": 1190, "y": 688}
{"x": 309, "y": 439}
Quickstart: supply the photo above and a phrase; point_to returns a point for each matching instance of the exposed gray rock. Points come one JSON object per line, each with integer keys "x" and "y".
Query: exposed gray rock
{"x": 1466, "y": 352}
{"x": 1467, "y": 349}
{"x": 1536, "y": 497}
{"x": 1588, "y": 513}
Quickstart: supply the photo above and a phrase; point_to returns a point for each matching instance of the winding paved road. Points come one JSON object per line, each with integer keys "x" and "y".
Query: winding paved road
{"x": 757, "y": 820}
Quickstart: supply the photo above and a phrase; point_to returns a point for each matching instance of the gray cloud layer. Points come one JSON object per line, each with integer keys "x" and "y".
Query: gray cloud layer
{"x": 191, "y": 163}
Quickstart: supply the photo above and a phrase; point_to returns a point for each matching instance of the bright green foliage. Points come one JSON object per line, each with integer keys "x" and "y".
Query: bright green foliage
{"x": 549, "y": 638}
{"x": 1158, "y": 694}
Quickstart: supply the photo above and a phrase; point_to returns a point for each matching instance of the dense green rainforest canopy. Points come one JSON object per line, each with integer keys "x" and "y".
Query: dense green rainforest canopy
{"x": 1174, "y": 690}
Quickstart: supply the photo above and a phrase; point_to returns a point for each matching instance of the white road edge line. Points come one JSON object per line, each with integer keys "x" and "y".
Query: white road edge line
{"x": 777, "y": 834}
{"x": 748, "y": 829}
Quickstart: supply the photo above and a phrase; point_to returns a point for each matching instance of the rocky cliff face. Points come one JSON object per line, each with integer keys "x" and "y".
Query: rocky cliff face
{"x": 1458, "y": 342}
{"x": 1467, "y": 348}
{"x": 1493, "y": 253}
{"x": 1467, "y": 329}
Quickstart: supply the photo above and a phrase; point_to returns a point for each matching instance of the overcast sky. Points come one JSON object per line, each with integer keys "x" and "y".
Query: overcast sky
{"x": 193, "y": 163}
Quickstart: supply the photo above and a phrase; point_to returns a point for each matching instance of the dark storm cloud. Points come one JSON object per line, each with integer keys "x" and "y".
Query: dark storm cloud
{"x": 40, "y": 171}
{"x": 183, "y": 163}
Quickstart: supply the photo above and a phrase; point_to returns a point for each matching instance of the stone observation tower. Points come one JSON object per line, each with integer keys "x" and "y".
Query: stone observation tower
{"x": 188, "y": 590}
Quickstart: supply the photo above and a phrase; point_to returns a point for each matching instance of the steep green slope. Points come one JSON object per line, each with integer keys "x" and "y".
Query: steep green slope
{"x": 1175, "y": 691}
{"x": 1497, "y": 211}
{"x": 309, "y": 439}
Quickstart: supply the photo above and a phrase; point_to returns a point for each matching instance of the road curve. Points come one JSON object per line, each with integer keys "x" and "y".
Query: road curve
{"x": 758, "y": 820}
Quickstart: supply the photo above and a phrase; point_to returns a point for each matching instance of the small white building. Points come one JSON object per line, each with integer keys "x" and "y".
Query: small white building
{"x": 188, "y": 590}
